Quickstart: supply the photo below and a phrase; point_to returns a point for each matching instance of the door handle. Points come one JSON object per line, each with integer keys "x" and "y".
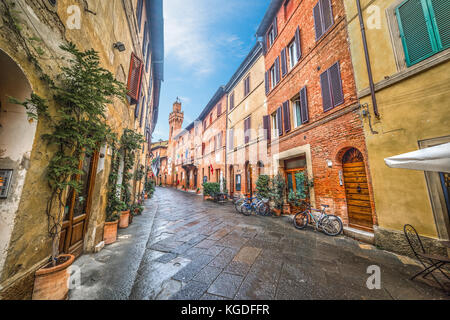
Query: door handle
{"x": 359, "y": 189}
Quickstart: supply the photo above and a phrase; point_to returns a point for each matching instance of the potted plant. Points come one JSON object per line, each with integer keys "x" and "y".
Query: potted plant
{"x": 76, "y": 128}
{"x": 263, "y": 187}
{"x": 124, "y": 221}
{"x": 110, "y": 229}
{"x": 210, "y": 190}
{"x": 298, "y": 198}
{"x": 277, "y": 193}
{"x": 198, "y": 190}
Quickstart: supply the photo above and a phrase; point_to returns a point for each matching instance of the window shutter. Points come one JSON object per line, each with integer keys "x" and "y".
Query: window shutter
{"x": 266, "y": 127}
{"x": 336, "y": 84}
{"x": 277, "y": 70}
{"x": 134, "y": 77}
{"x": 304, "y": 105}
{"x": 267, "y": 82}
{"x": 280, "y": 121}
{"x": 231, "y": 139}
{"x": 142, "y": 113}
{"x": 283, "y": 62}
{"x": 326, "y": 92}
{"x": 317, "y": 21}
{"x": 247, "y": 130}
{"x": 286, "y": 117}
{"x": 215, "y": 143}
{"x": 264, "y": 45}
{"x": 327, "y": 14}
{"x": 275, "y": 27}
{"x": 441, "y": 12}
{"x": 219, "y": 110}
{"x": 414, "y": 28}
{"x": 298, "y": 44}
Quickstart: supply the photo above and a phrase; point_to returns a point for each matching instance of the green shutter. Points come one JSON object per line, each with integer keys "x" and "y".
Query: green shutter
{"x": 440, "y": 15}
{"x": 416, "y": 31}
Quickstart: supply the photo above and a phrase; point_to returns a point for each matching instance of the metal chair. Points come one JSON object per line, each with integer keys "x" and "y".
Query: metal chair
{"x": 436, "y": 262}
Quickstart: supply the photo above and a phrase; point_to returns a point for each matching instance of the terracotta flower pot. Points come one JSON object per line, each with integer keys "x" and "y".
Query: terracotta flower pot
{"x": 124, "y": 219}
{"x": 110, "y": 232}
{"x": 52, "y": 283}
{"x": 146, "y": 196}
{"x": 277, "y": 212}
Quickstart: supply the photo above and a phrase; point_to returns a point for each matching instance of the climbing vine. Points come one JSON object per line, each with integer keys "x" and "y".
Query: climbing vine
{"x": 130, "y": 142}
{"x": 78, "y": 128}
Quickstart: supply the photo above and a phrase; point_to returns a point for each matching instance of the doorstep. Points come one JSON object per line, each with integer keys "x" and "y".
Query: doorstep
{"x": 361, "y": 235}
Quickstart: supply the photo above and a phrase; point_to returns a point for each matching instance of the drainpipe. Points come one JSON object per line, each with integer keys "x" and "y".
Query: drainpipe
{"x": 226, "y": 144}
{"x": 366, "y": 53}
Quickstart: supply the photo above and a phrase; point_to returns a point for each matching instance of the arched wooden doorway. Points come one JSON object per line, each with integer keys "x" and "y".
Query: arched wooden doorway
{"x": 357, "y": 190}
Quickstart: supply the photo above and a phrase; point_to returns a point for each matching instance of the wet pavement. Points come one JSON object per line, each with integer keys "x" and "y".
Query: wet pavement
{"x": 185, "y": 248}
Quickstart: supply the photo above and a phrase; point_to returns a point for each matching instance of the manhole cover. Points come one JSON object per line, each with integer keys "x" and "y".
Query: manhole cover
{"x": 177, "y": 264}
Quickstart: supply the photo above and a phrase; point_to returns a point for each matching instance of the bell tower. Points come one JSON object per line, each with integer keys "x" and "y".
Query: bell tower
{"x": 176, "y": 118}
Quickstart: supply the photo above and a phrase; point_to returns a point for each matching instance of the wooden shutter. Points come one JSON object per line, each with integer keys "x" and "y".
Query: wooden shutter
{"x": 283, "y": 62}
{"x": 327, "y": 14}
{"x": 298, "y": 43}
{"x": 277, "y": 70}
{"x": 247, "y": 125}
{"x": 286, "y": 117}
{"x": 280, "y": 121}
{"x": 267, "y": 82}
{"x": 142, "y": 113}
{"x": 440, "y": 10}
{"x": 318, "y": 20}
{"x": 219, "y": 110}
{"x": 231, "y": 139}
{"x": 326, "y": 92}
{"x": 417, "y": 39}
{"x": 134, "y": 77}
{"x": 304, "y": 112}
{"x": 232, "y": 101}
{"x": 264, "y": 45}
{"x": 336, "y": 84}
{"x": 266, "y": 127}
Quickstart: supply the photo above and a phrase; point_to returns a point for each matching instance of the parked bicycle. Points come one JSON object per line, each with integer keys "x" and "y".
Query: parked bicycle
{"x": 329, "y": 224}
{"x": 255, "y": 205}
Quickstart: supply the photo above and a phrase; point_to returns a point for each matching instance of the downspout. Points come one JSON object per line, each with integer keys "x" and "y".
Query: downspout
{"x": 368, "y": 65}
{"x": 226, "y": 145}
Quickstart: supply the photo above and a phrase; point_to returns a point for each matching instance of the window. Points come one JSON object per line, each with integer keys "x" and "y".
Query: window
{"x": 331, "y": 84}
{"x": 271, "y": 36}
{"x": 292, "y": 55}
{"x": 323, "y": 17}
{"x": 247, "y": 130}
{"x": 275, "y": 124}
{"x": 301, "y": 113}
{"x": 231, "y": 139}
{"x": 232, "y": 101}
{"x": 140, "y": 4}
{"x": 247, "y": 85}
{"x": 210, "y": 119}
{"x": 273, "y": 77}
{"x": 238, "y": 182}
{"x": 219, "y": 110}
{"x": 424, "y": 28}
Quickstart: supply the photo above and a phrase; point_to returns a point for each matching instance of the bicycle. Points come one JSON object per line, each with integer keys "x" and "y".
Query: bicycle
{"x": 254, "y": 204}
{"x": 330, "y": 224}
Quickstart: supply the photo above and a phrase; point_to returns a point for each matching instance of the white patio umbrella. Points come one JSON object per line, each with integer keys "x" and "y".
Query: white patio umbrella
{"x": 435, "y": 158}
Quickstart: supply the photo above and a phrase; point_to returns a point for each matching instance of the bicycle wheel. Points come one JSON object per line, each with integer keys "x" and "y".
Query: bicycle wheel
{"x": 332, "y": 225}
{"x": 263, "y": 209}
{"x": 301, "y": 220}
{"x": 247, "y": 209}
{"x": 238, "y": 205}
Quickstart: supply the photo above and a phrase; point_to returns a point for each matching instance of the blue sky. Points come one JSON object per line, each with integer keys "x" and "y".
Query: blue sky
{"x": 205, "y": 42}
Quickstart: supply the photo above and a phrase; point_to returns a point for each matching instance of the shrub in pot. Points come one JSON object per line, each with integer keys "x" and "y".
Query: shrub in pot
{"x": 124, "y": 220}
{"x": 210, "y": 189}
{"x": 277, "y": 193}
{"x": 110, "y": 229}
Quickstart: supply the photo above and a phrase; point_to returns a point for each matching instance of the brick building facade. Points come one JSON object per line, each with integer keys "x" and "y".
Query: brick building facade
{"x": 313, "y": 110}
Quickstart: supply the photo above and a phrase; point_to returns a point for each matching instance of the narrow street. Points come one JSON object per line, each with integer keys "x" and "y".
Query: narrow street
{"x": 185, "y": 248}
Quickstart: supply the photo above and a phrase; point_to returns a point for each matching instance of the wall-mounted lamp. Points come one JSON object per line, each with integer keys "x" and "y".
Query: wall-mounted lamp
{"x": 119, "y": 46}
{"x": 329, "y": 163}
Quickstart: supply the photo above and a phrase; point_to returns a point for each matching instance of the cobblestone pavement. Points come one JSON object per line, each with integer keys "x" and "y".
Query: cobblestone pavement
{"x": 185, "y": 248}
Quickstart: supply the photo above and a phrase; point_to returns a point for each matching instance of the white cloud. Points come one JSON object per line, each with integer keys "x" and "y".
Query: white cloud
{"x": 186, "y": 35}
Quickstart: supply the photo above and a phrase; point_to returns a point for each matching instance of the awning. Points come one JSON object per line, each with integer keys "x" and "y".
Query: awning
{"x": 435, "y": 158}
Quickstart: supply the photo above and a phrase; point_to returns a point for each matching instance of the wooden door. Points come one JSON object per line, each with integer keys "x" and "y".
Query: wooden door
{"x": 249, "y": 180}
{"x": 357, "y": 191}
{"x": 231, "y": 181}
{"x": 77, "y": 209}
